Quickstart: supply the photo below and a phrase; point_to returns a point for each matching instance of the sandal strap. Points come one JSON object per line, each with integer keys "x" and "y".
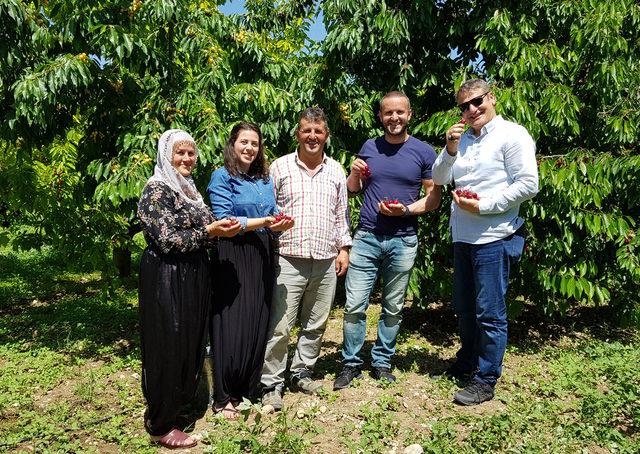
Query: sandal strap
{"x": 176, "y": 438}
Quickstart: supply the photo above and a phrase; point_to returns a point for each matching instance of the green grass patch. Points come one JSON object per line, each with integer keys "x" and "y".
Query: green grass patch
{"x": 70, "y": 382}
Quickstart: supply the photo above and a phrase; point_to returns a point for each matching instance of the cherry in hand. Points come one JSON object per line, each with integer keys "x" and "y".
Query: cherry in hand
{"x": 366, "y": 172}
{"x": 387, "y": 201}
{"x": 282, "y": 217}
{"x": 467, "y": 194}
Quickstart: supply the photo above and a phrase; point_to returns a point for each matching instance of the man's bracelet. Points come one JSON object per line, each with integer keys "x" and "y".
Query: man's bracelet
{"x": 407, "y": 211}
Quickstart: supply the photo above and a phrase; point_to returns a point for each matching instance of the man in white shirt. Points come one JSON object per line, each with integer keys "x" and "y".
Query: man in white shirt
{"x": 493, "y": 167}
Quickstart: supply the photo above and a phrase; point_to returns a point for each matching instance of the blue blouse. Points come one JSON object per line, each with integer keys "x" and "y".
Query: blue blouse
{"x": 240, "y": 196}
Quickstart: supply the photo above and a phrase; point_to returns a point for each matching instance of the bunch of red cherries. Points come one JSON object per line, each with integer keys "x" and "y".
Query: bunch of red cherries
{"x": 282, "y": 217}
{"x": 467, "y": 194}
{"x": 387, "y": 201}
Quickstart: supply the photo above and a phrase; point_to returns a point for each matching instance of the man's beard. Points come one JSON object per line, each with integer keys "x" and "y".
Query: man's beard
{"x": 402, "y": 131}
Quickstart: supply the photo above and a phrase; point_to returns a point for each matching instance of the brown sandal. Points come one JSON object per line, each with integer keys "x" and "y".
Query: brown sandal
{"x": 175, "y": 439}
{"x": 228, "y": 411}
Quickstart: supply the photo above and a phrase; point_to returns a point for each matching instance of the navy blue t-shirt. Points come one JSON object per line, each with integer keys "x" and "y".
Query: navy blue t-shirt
{"x": 397, "y": 171}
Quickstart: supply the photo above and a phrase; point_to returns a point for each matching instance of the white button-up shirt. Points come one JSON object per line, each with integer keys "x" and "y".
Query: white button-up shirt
{"x": 500, "y": 166}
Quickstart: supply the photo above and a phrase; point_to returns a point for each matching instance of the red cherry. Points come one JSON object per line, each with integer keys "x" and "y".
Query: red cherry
{"x": 467, "y": 194}
{"x": 463, "y": 121}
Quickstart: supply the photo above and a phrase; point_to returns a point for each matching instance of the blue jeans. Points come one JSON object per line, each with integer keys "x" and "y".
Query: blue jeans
{"x": 373, "y": 255}
{"x": 481, "y": 278}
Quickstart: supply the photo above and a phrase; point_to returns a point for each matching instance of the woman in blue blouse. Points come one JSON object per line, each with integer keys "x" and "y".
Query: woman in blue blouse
{"x": 244, "y": 268}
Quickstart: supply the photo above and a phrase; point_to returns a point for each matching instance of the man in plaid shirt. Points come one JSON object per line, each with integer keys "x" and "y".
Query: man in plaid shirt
{"x": 312, "y": 189}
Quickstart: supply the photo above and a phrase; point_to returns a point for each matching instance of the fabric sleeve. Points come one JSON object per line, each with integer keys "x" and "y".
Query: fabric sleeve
{"x": 429, "y": 159}
{"x": 274, "y": 172}
{"x": 220, "y": 191}
{"x": 442, "y": 172}
{"x": 157, "y": 213}
{"x": 343, "y": 235}
{"x": 522, "y": 171}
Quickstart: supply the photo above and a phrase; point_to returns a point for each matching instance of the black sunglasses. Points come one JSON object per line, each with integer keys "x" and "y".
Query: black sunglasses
{"x": 475, "y": 101}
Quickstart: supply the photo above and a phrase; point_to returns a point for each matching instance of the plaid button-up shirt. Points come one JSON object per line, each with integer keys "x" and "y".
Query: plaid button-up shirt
{"x": 318, "y": 205}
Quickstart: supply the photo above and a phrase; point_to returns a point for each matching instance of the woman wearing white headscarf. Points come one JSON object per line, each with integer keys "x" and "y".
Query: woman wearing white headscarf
{"x": 174, "y": 292}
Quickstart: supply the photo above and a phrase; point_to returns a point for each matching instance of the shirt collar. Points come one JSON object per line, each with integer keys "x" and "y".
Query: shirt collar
{"x": 301, "y": 164}
{"x": 493, "y": 124}
{"x": 486, "y": 129}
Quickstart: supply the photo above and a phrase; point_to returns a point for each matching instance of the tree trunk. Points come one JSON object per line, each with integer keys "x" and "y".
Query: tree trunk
{"x": 122, "y": 261}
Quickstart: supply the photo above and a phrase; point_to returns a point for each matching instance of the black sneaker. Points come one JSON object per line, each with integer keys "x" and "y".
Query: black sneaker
{"x": 345, "y": 377}
{"x": 454, "y": 372}
{"x": 474, "y": 393}
{"x": 383, "y": 373}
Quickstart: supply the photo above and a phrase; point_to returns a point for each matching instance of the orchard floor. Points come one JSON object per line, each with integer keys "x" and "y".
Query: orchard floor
{"x": 70, "y": 381}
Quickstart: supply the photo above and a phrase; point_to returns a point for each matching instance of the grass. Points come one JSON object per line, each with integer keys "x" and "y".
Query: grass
{"x": 63, "y": 346}
{"x": 70, "y": 381}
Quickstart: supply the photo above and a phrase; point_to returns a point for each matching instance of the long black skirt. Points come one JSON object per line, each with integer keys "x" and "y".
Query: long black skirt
{"x": 174, "y": 302}
{"x": 243, "y": 274}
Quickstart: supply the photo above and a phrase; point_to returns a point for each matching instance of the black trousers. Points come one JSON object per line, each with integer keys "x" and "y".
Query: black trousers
{"x": 243, "y": 285}
{"x": 174, "y": 301}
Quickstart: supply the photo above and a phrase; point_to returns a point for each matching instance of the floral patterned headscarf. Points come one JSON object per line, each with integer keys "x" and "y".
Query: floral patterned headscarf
{"x": 166, "y": 173}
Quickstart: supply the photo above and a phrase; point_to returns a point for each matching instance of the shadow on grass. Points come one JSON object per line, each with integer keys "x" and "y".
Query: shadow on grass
{"x": 533, "y": 331}
{"x": 38, "y": 274}
{"x": 85, "y": 326}
{"x": 420, "y": 361}
{"x": 42, "y": 306}
{"x": 530, "y": 332}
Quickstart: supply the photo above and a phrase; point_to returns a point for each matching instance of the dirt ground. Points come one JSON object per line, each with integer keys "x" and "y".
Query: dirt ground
{"x": 368, "y": 417}
{"x": 418, "y": 396}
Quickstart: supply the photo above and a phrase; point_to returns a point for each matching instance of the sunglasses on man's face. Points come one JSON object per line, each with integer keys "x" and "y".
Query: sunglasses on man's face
{"x": 475, "y": 101}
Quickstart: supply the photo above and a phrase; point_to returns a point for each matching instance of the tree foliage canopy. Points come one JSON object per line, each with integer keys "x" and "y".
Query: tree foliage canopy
{"x": 86, "y": 88}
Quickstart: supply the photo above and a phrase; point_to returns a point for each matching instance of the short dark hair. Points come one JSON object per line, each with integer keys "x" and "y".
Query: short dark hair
{"x": 394, "y": 94}
{"x": 313, "y": 114}
{"x": 472, "y": 85}
{"x": 259, "y": 167}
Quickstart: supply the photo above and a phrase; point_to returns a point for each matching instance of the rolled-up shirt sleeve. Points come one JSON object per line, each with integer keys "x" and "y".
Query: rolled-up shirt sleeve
{"x": 220, "y": 192}
{"x": 442, "y": 171}
{"x": 343, "y": 235}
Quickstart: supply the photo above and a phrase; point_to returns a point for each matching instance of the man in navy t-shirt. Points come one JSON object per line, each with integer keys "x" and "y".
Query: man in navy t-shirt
{"x": 390, "y": 171}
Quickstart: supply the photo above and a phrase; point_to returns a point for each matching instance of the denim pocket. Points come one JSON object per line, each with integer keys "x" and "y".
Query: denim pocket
{"x": 360, "y": 234}
{"x": 514, "y": 248}
{"x": 410, "y": 241}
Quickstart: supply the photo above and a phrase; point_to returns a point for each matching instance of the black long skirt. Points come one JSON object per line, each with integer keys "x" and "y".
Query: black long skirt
{"x": 243, "y": 276}
{"x": 174, "y": 303}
